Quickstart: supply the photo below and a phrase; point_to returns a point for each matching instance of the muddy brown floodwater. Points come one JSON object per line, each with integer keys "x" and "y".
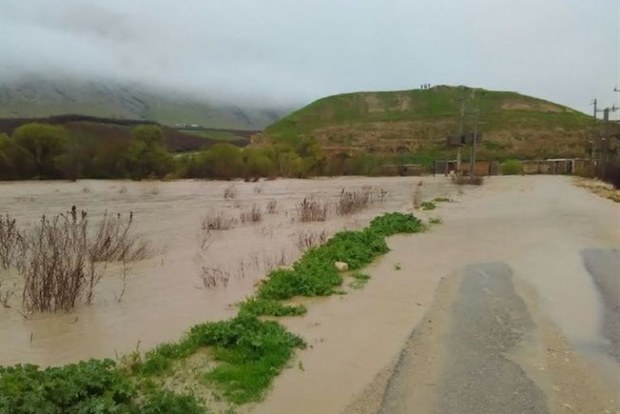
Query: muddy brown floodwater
{"x": 165, "y": 295}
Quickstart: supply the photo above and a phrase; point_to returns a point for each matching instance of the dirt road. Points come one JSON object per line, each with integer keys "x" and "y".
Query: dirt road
{"x": 510, "y": 306}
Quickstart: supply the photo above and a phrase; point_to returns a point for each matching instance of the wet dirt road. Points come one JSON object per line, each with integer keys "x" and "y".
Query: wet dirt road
{"x": 509, "y": 306}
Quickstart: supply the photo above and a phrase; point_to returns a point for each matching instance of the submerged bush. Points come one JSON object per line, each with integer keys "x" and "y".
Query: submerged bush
{"x": 64, "y": 256}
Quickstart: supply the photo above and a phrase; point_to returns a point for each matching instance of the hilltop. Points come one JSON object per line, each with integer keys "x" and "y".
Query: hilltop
{"x": 417, "y": 122}
{"x": 37, "y": 98}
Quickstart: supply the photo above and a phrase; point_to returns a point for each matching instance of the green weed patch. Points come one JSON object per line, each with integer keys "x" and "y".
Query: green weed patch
{"x": 94, "y": 386}
{"x": 269, "y": 307}
{"x": 393, "y": 223}
{"x": 315, "y": 274}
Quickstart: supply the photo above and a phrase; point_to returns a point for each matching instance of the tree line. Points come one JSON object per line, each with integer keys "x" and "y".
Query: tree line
{"x": 43, "y": 151}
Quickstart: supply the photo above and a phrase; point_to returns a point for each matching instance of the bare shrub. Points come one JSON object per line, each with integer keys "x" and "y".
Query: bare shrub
{"x": 230, "y": 192}
{"x": 306, "y": 239}
{"x": 122, "y": 190}
{"x": 253, "y": 215}
{"x": 310, "y": 210}
{"x": 382, "y": 195}
{"x": 258, "y": 189}
{"x": 276, "y": 260}
{"x": 350, "y": 202}
{"x": 86, "y": 190}
{"x": 467, "y": 180}
{"x": 213, "y": 277}
{"x": 211, "y": 223}
{"x": 64, "y": 261}
{"x": 11, "y": 242}
{"x": 113, "y": 240}
{"x": 417, "y": 195}
{"x": 272, "y": 207}
{"x": 54, "y": 271}
{"x": 217, "y": 221}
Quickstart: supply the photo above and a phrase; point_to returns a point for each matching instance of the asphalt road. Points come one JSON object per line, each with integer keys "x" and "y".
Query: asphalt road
{"x": 487, "y": 321}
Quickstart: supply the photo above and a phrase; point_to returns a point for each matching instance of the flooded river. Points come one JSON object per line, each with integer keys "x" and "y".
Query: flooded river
{"x": 164, "y": 295}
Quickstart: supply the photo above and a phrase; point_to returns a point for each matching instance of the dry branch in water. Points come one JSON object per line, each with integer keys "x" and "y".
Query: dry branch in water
{"x": 272, "y": 207}
{"x": 275, "y": 261}
{"x": 310, "y": 210}
{"x": 306, "y": 239}
{"x": 351, "y": 202}
{"x": 212, "y": 277}
{"x": 11, "y": 242}
{"x": 217, "y": 221}
{"x": 253, "y": 215}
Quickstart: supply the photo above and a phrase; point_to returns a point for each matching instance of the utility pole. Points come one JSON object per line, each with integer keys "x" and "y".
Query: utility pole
{"x": 595, "y": 103}
{"x": 472, "y": 158}
{"x": 606, "y": 112}
{"x": 458, "y": 153}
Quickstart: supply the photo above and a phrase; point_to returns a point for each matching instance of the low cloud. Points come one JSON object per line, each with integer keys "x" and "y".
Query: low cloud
{"x": 292, "y": 52}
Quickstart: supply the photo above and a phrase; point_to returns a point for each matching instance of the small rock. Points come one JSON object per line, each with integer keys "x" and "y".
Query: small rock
{"x": 342, "y": 266}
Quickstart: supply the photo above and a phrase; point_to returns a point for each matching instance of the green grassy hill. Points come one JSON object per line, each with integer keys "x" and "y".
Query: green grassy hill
{"x": 418, "y": 122}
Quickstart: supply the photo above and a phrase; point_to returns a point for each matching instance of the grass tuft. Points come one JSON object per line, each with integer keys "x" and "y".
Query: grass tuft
{"x": 269, "y": 307}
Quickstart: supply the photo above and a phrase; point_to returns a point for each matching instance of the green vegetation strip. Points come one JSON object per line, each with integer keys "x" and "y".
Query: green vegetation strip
{"x": 250, "y": 352}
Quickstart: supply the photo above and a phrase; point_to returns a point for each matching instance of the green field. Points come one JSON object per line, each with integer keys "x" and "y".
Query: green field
{"x": 224, "y": 136}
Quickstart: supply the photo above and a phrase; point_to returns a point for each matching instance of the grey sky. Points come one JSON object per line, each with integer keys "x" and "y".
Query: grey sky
{"x": 294, "y": 51}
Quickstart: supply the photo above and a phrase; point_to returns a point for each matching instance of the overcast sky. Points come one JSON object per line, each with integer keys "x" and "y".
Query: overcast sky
{"x": 295, "y": 51}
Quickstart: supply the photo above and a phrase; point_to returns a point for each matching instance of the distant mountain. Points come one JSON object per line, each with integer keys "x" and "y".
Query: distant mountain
{"x": 43, "y": 97}
{"x": 419, "y": 121}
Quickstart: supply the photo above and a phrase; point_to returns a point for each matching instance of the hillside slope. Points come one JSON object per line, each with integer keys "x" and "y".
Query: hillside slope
{"x": 418, "y": 121}
{"x": 44, "y": 97}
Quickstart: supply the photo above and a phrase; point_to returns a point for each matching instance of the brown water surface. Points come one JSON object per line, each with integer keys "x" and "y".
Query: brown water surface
{"x": 165, "y": 295}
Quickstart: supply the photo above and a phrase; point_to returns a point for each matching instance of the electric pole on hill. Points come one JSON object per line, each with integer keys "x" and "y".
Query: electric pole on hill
{"x": 472, "y": 158}
{"x": 458, "y": 151}
{"x": 595, "y": 103}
